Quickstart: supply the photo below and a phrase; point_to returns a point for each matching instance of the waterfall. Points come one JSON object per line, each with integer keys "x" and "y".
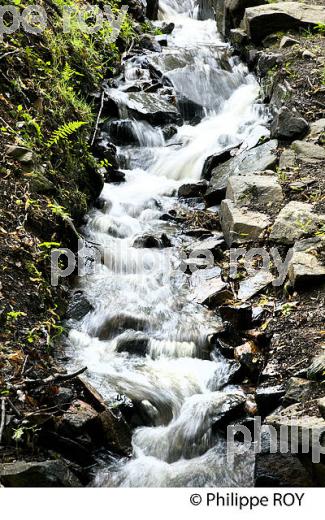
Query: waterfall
{"x": 140, "y": 294}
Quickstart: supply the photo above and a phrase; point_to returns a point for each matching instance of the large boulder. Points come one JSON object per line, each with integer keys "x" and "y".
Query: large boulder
{"x": 251, "y": 188}
{"x": 294, "y": 221}
{"x": 308, "y": 152}
{"x": 288, "y": 125}
{"x": 141, "y": 105}
{"x": 49, "y": 473}
{"x": 305, "y": 266}
{"x": 262, "y": 20}
{"x": 258, "y": 159}
{"x": 240, "y": 225}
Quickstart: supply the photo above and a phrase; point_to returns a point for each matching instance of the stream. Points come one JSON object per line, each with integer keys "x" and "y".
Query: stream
{"x": 146, "y": 337}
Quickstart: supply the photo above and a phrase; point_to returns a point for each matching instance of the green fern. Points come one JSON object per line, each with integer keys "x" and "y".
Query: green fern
{"x": 64, "y": 132}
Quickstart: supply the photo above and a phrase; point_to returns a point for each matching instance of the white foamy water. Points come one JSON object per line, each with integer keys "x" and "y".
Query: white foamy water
{"x": 142, "y": 292}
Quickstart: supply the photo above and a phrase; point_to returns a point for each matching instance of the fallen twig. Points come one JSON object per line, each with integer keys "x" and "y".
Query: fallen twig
{"x": 3, "y": 416}
{"x": 56, "y": 378}
{"x": 98, "y": 118}
{"x": 9, "y": 54}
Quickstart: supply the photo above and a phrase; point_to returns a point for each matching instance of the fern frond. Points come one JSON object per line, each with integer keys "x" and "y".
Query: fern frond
{"x": 64, "y": 132}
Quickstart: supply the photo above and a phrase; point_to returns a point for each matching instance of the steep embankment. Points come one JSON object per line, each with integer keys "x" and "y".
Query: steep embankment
{"x": 283, "y": 43}
{"x": 50, "y": 90}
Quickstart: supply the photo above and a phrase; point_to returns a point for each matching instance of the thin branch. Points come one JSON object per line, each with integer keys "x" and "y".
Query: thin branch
{"x": 9, "y": 54}
{"x": 56, "y": 378}
{"x": 98, "y": 118}
{"x": 3, "y": 416}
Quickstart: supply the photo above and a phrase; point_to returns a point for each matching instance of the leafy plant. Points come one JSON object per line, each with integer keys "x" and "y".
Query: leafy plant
{"x": 64, "y": 132}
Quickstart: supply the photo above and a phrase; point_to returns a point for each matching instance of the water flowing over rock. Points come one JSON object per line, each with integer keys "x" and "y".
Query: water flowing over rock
{"x": 150, "y": 334}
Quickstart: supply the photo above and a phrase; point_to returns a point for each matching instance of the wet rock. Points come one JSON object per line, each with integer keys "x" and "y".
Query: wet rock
{"x": 49, "y": 473}
{"x": 78, "y": 307}
{"x": 122, "y": 132}
{"x": 287, "y": 41}
{"x": 305, "y": 266}
{"x": 268, "y": 398}
{"x": 294, "y": 220}
{"x": 141, "y": 105}
{"x": 114, "y": 176}
{"x": 213, "y": 161}
{"x": 265, "y": 19}
{"x": 238, "y": 38}
{"x": 78, "y": 419}
{"x": 227, "y": 406}
{"x": 239, "y": 225}
{"x": 169, "y": 131}
{"x": 152, "y": 9}
{"x": 308, "y": 152}
{"x": 136, "y": 9}
{"x": 64, "y": 396}
{"x": 113, "y": 325}
{"x": 215, "y": 245}
{"x": 258, "y": 159}
{"x": 167, "y": 28}
{"x": 135, "y": 343}
{"x": 288, "y": 125}
{"x": 152, "y": 241}
{"x": 212, "y": 292}
{"x": 70, "y": 449}
{"x": 243, "y": 190}
{"x": 250, "y": 357}
{"x": 149, "y": 42}
{"x": 316, "y": 370}
{"x": 280, "y": 470}
{"x": 239, "y": 315}
{"x": 162, "y": 39}
{"x": 188, "y": 191}
{"x": 254, "y": 284}
{"x": 298, "y": 390}
{"x": 267, "y": 61}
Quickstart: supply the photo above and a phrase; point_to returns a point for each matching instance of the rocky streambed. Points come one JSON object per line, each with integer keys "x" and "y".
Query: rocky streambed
{"x": 200, "y": 302}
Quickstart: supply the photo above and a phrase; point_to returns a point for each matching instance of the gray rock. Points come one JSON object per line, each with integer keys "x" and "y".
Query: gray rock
{"x": 305, "y": 266}
{"x": 250, "y": 357}
{"x": 254, "y": 284}
{"x": 112, "y": 325}
{"x": 263, "y": 189}
{"x": 214, "y": 244}
{"x": 287, "y": 159}
{"x": 266, "y": 19}
{"x": 16, "y": 151}
{"x": 294, "y": 220}
{"x": 49, "y": 473}
{"x": 298, "y": 390}
{"x": 316, "y": 129}
{"x": 142, "y": 105}
{"x": 78, "y": 419}
{"x": 267, "y": 62}
{"x": 39, "y": 183}
{"x": 195, "y": 189}
{"x": 149, "y": 42}
{"x": 288, "y": 125}
{"x": 270, "y": 40}
{"x": 212, "y": 292}
{"x": 239, "y": 225}
{"x": 308, "y": 152}
{"x": 268, "y": 398}
{"x": 78, "y": 307}
{"x": 301, "y": 428}
{"x": 316, "y": 370}
{"x": 214, "y": 160}
{"x": 287, "y": 41}
{"x": 237, "y": 37}
{"x": 279, "y": 96}
{"x": 280, "y": 470}
{"x": 132, "y": 342}
{"x": 258, "y": 159}
{"x": 148, "y": 241}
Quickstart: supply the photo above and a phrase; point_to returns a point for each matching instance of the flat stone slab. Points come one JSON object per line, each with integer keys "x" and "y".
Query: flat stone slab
{"x": 308, "y": 152}
{"x": 212, "y": 292}
{"x": 262, "y": 20}
{"x": 264, "y": 189}
{"x": 240, "y": 225}
{"x": 305, "y": 266}
{"x": 254, "y": 284}
{"x": 294, "y": 220}
{"x": 143, "y": 105}
{"x": 258, "y": 159}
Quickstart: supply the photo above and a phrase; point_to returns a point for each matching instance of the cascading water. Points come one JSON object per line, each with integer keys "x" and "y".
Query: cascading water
{"x": 140, "y": 296}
